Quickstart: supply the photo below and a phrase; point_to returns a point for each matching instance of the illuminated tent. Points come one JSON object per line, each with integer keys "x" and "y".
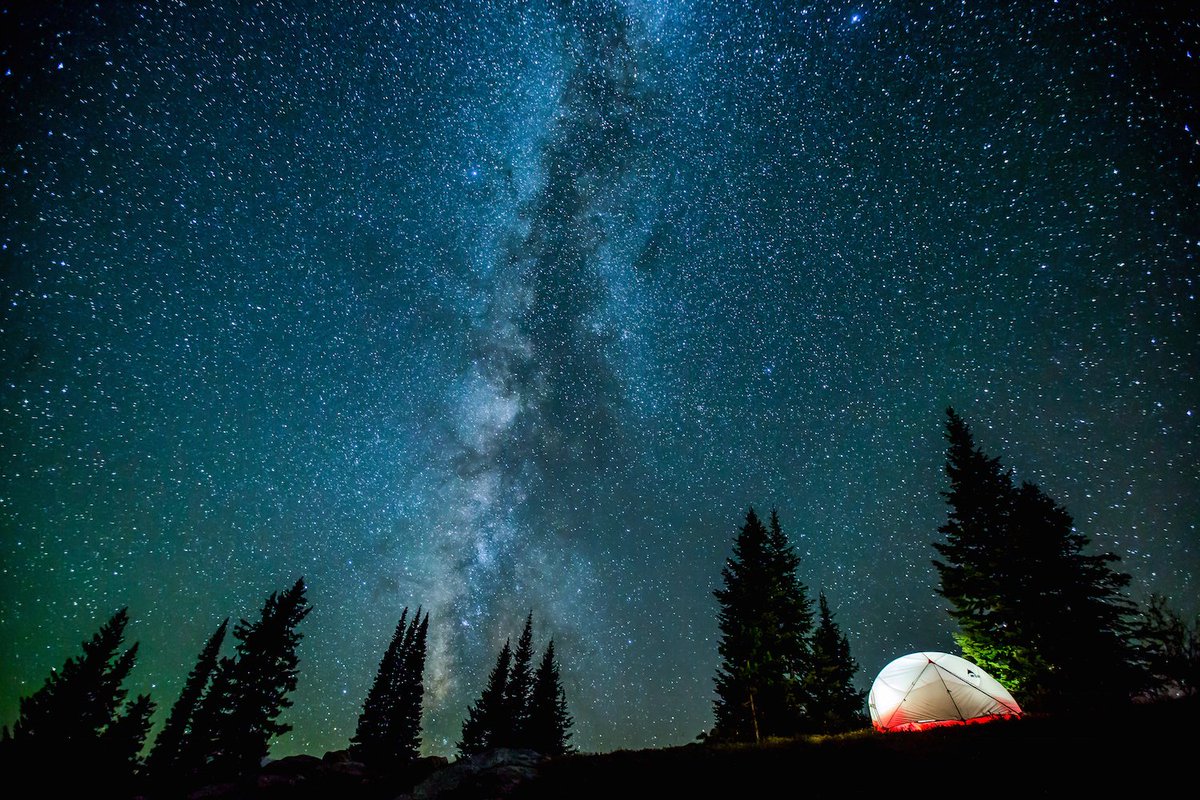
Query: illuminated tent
{"x": 926, "y": 690}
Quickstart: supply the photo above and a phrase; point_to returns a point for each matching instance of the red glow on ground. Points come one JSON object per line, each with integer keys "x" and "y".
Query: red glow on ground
{"x": 943, "y": 723}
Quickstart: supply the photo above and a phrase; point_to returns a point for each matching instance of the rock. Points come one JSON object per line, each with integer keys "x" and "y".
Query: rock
{"x": 422, "y": 768}
{"x": 292, "y": 765}
{"x": 281, "y": 778}
{"x": 337, "y": 756}
{"x": 336, "y": 778}
{"x": 345, "y": 769}
{"x": 215, "y": 791}
{"x": 276, "y": 783}
{"x": 506, "y": 757}
{"x": 491, "y": 774}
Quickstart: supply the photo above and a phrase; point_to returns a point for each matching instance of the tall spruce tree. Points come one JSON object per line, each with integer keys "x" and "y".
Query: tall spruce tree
{"x": 238, "y": 716}
{"x": 765, "y": 619}
{"x": 1045, "y": 619}
{"x": 518, "y": 690}
{"x": 1170, "y": 647}
{"x": 795, "y": 618}
{"x": 198, "y": 748}
{"x": 487, "y": 718}
{"x": 163, "y": 760}
{"x": 834, "y": 703}
{"x": 121, "y": 744}
{"x": 77, "y": 717}
{"x": 367, "y": 744}
{"x": 389, "y": 728}
{"x": 408, "y": 691}
{"x": 549, "y": 723}
{"x": 974, "y": 568}
{"x": 520, "y": 708}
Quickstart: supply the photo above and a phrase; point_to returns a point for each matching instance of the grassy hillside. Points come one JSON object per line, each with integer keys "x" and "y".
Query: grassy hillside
{"x": 1145, "y": 748}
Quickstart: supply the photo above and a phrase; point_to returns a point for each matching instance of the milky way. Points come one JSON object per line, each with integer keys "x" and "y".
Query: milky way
{"x": 512, "y": 306}
{"x": 539, "y": 414}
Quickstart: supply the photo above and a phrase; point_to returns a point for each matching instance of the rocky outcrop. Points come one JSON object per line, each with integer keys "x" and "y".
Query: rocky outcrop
{"x": 491, "y": 774}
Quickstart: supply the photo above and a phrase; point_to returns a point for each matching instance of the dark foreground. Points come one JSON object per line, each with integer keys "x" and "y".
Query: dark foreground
{"x": 1147, "y": 748}
{"x": 1141, "y": 751}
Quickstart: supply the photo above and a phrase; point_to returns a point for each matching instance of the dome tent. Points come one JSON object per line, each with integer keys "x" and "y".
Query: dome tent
{"x": 925, "y": 690}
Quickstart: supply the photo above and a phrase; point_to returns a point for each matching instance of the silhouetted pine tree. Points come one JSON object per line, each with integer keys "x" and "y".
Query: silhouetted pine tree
{"x": 409, "y": 695}
{"x": 834, "y": 704}
{"x": 518, "y": 689}
{"x": 487, "y": 718}
{"x": 238, "y": 717}
{"x": 121, "y": 744}
{"x": 1046, "y": 620}
{"x": 977, "y": 568}
{"x": 1072, "y": 610}
{"x": 794, "y": 610}
{"x": 1171, "y": 649}
{"x": 765, "y": 619}
{"x": 198, "y": 747}
{"x": 74, "y": 718}
{"x": 389, "y": 728}
{"x": 164, "y": 758}
{"x": 547, "y": 729}
{"x": 367, "y": 742}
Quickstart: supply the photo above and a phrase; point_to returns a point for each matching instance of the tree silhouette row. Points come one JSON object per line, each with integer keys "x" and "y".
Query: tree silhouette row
{"x": 1047, "y": 620}
{"x": 779, "y": 676}
{"x": 1032, "y": 607}
{"x": 520, "y": 708}
{"x": 389, "y": 728}
{"x": 227, "y": 713}
{"x": 220, "y": 727}
{"x": 80, "y": 712}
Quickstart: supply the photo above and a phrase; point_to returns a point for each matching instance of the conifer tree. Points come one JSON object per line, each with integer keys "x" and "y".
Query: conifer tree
{"x": 1071, "y": 610}
{"x": 389, "y": 728}
{"x": 239, "y": 715}
{"x": 518, "y": 690}
{"x": 548, "y": 727}
{"x": 765, "y": 620}
{"x": 76, "y": 702}
{"x": 164, "y": 758}
{"x": 793, "y": 609}
{"x": 366, "y": 744}
{"x": 487, "y": 717}
{"x": 409, "y": 693}
{"x": 198, "y": 747}
{"x": 76, "y": 716}
{"x": 974, "y": 569}
{"x": 834, "y": 703}
{"x": 1045, "y": 619}
{"x": 121, "y": 743}
{"x": 1170, "y": 647}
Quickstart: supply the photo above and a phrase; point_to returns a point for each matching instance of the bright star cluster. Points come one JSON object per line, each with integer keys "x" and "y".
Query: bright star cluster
{"x": 499, "y": 306}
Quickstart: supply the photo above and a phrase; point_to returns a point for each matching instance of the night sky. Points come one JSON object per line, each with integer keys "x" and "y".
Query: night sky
{"x": 499, "y": 306}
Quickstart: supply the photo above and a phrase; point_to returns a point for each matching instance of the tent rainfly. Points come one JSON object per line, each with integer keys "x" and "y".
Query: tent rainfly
{"x": 926, "y": 690}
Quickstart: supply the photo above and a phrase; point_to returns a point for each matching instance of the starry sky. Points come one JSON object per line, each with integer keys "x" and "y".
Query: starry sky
{"x": 499, "y": 306}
